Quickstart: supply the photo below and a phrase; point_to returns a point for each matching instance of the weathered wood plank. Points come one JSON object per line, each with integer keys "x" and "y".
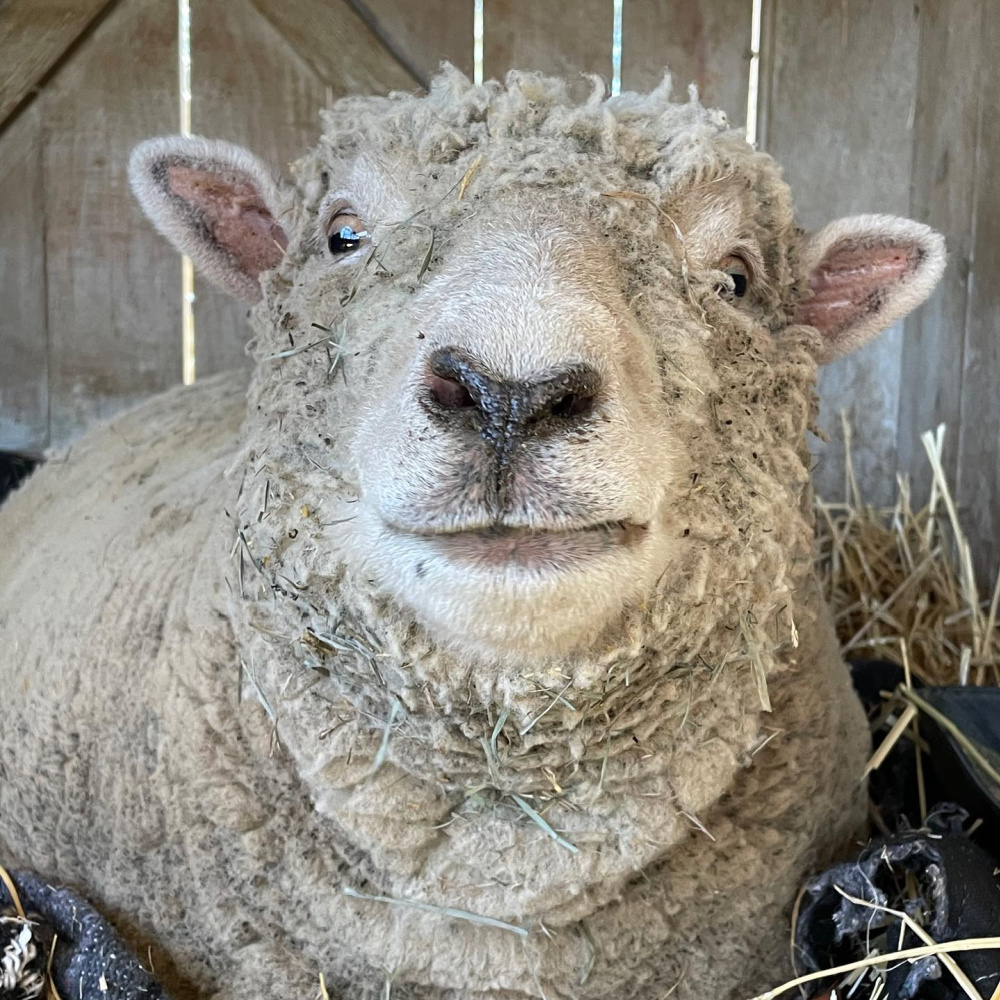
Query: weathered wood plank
{"x": 944, "y": 167}
{"x": 337, "y": 43}
{"x": 34, "y": 34}
{"x": 268, "y": 102}
{"x": 24, "y": 375}
{"x": 703, "y": 43}
{"x": 842, "y": 94}
{"x": 552, "y": 37}
{"x": 426, "y": 33}
{"x": 979, "y": 437}
{"x": 112, "y": 282}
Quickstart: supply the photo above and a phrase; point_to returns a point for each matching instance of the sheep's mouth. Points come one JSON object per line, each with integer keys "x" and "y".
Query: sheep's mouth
{"x": 499, "y": 547}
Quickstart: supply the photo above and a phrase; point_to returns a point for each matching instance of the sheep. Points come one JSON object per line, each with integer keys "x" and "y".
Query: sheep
{"x": 468, "y": 647}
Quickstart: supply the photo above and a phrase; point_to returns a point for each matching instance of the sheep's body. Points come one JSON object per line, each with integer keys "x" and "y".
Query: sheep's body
{"x": 444, "y": 618}
{"x": 130, "y": 771}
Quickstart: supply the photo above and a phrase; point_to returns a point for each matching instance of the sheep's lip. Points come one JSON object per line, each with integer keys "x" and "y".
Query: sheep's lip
{"x": 536, "y": 548}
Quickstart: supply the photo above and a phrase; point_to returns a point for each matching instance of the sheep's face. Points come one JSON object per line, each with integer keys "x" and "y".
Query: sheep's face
{"x": 516, "y": 470}
{"x": 499, "y": 364}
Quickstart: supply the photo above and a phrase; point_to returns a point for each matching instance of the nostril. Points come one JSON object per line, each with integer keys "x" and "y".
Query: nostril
{"x": 572, "y": 404}
{"x": 450, "y": 394}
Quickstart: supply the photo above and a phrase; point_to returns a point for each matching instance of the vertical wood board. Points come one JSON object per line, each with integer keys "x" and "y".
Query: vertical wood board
{"x": 34, "y": 36}
{"x": 944, "y": 179}
{"x": 979, "y": 435}
{"x": 426, "y": 33}
{"x": 564, "y": 39}
{"x": 24, "y": 388}
{"x": 337, "y": 43}
{"x": 842, "y": 98}
{"x": 112, "y": 282}
{"x": 707, "y": 44}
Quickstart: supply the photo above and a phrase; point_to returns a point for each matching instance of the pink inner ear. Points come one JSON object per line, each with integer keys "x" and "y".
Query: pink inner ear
{"x": 850, "y": 283}
{"x": 234, "y": 213}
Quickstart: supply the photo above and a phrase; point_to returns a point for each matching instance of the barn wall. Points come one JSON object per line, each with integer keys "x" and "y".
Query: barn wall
{"x": 869, "y": 104}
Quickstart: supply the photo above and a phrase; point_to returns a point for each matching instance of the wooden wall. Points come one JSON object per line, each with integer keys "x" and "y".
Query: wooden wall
{"x": 870, "y": 105}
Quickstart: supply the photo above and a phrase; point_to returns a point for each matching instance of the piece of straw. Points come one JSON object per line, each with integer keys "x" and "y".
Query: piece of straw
{"x": 907, "y": 954}
{"x": 444, "y": 911}
{"x": 12, "y": 891}
{"x": 960, "y": 977}
{"x": 917, "y": 755}
{"x": 877, "y": 759}
{"x": 546, "y": 829}
{"x": 968, "y": 745}
{"x": 53, "y": 992}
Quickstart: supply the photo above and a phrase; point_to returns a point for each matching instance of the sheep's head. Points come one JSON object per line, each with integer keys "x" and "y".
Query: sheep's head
{"x": 520, "y": 354}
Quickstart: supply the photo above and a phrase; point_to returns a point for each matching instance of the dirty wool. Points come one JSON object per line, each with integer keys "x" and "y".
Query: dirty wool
{"x": 232, "y": 726}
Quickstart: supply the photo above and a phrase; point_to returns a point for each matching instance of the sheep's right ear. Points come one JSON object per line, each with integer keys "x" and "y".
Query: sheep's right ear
{"x": 215, "y": 202}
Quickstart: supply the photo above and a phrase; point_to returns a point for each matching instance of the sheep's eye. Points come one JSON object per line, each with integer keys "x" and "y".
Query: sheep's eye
{"x": 345, "y": 232}
{"x": 736, "y": 268}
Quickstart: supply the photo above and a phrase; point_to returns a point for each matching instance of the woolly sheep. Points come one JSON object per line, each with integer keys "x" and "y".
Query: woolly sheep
{"x": 491, "y": 593}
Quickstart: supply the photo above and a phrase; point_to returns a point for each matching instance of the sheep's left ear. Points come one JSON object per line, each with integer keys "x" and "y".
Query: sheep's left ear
{"x": 215, "y": 202}
{"x": 864, "y": 273}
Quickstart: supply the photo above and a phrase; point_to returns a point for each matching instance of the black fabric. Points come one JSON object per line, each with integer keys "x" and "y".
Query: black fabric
{"x": 91, "y": 962}
{"x": 953, "y": 890}
{"x": 950, "y": 775}
{"x": 976, "y": 713}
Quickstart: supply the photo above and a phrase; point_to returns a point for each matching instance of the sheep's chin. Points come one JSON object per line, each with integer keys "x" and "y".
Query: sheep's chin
{"x": 536, "y": 596}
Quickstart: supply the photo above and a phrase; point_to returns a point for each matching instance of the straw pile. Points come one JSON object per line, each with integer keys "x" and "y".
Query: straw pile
{"x": 901, "y": 584}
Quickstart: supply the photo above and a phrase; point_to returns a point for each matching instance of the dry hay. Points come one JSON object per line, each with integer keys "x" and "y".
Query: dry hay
{"x": 901, "y": 585}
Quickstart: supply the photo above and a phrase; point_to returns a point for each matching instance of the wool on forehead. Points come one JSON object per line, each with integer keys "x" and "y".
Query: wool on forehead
{"x": 456, "y": 115}
{"x": 537, "y": 130}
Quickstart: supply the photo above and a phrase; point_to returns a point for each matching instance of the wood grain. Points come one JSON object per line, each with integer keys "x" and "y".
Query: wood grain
{"x": 267, "y": 99}
{"x": 24, "y": 376}
{"x": 979, "y": 436}
{"x": 945, "y": 135}
{"x": 34, "y": 35}
{"x": 426, "y": 33}
{"x": 565, "y": 39}
{"x": 705, "y": 44}
{"x": 842, "y": 94}
{"x": 337, "y": 44}
{"x": 112, "y": 282}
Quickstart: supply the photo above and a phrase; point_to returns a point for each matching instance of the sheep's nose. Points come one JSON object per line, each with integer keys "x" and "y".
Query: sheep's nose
{"x": 461, "y": 390}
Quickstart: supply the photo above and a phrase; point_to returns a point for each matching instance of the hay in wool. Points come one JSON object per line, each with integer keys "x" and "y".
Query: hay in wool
{"x": 396, "y": 797}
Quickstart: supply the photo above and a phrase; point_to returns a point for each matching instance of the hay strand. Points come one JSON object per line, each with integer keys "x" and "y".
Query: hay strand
{"x": 12, "y": 892}
{"x": 546, "y": 829}
{"x": 907, "y": 954}
{"x": 971, "y": 748}
{"x": 952, "y": 966}
{"x": 444, "y": 911}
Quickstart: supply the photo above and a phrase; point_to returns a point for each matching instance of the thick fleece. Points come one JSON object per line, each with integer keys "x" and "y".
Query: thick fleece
{"x": 243, "y": 743}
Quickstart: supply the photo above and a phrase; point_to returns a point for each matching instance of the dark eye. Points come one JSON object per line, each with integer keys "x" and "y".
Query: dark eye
{"x": 736, "y": 268}
{"x": 345, "y": 232}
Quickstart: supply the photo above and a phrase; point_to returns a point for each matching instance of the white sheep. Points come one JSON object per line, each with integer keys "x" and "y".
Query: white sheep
{"x": 474, "y": 648}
